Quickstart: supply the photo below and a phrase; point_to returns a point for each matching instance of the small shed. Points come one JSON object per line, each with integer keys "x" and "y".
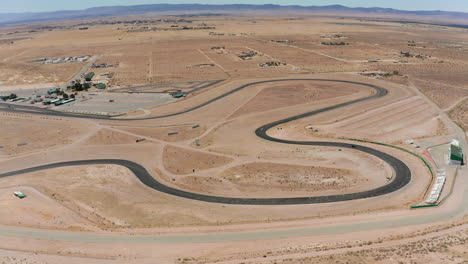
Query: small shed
{"x": 19, "y": 194}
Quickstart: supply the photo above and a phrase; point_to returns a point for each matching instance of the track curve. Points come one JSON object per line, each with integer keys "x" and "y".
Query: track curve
{"x": 402, "y": 172}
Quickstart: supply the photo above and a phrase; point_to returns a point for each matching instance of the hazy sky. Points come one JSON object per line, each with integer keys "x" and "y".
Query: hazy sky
{"x": 7, "y": 6}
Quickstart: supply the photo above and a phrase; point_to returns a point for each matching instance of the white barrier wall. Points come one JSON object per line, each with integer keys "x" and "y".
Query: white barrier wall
{"x": 437, "y": 187}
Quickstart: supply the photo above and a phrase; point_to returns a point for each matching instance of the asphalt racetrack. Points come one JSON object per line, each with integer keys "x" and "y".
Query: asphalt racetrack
{"x": 401, "y": 170}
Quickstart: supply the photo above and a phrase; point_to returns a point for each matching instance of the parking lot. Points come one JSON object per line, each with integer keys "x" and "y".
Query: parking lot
{"x": 96, "y": 102}
{"x": 113, "y": 103}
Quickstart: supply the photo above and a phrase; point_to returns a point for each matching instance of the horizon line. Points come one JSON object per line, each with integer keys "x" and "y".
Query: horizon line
{"x": 201, "y": 4}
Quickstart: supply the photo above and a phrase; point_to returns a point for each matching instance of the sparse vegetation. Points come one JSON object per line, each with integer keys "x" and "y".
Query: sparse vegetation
{"x": 77, "y": 86}
{"x": 9, "y": 97}
{"x": 408, "y": 54}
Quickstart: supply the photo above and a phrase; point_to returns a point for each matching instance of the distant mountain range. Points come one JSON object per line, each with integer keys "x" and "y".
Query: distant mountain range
{"x": 98, "y": 12}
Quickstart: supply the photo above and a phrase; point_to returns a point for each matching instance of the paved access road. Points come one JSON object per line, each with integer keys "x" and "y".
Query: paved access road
{"x": 402, "y": 172}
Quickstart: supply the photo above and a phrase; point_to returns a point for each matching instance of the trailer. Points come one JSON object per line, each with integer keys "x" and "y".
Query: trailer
{"x": 62, "y": 102}
{"x": 68, "y": 101}
{"x": 18, "y": 98}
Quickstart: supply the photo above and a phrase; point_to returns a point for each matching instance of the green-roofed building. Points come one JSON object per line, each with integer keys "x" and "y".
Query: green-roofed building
{"x": 456, "y": 155}
{"x": 101, "y": 86}
{"x": 178, "y": 94}
{"x": 89, "y": 76}
{"x": 52, "y": 91}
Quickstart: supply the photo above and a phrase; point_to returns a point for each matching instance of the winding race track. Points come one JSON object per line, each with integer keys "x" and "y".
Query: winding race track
{"x": 402, "y": 172}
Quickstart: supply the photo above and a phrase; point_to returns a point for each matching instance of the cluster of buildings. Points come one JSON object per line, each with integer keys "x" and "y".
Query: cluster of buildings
{"x": 98, "y": 83}
{"x": 172, "y": 28}
{"x": 52, "y": 98}
{"x": 379, "y": 74}
{"x": 137, "y": 22}
{"x": 63, "y": 60}
{"x": 285, "y": 41}
{"x": 221, "y": 34}
{"x": 272, "y": 64}
{"x": 334, "y": 36}
{"x": 103, "y": 65}
{"x": 247, "y": 55}
{"x": 342, "y": 43}
{"x": 201, "y": 65}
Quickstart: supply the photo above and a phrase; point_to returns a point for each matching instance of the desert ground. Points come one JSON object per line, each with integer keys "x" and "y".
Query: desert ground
{"x": 235, "y": 77}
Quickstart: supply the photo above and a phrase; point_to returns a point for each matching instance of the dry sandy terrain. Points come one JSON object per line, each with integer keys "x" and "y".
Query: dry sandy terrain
{"x": 297, "y": 93}
{"x": 109, "y": 137}
{"x": 170, "y": 133}
{"x": 213, "y": 150}
{"x": 27, "y": 133}
{"x": 147, "y": 57}
{"x": 459, "y": 114}
{"x": 181, "y": 161}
